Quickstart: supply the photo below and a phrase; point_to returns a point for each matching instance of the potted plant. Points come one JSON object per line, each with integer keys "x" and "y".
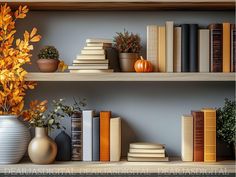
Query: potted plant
{"x": 226, "y": 127}
{"x": 48, "y": 59}
{"x": 128, "y": 45}
{"x": 42, "y": 149}
{"x": 14, "y": 53}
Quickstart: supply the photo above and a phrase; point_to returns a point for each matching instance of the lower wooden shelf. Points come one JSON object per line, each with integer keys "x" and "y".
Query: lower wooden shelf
{"x": 123, "y": 167}
{"x": 131, "y": 77}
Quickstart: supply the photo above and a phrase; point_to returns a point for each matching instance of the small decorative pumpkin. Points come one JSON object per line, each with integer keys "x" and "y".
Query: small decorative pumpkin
{"x": 142, "y": 66}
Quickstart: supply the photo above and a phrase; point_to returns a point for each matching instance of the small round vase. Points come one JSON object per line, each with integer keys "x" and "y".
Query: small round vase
{"x": 14, "y": 139}
{"x": 47, "y": 65}
{"x": 127, "y": 61}
{"x": 42, "y": 149}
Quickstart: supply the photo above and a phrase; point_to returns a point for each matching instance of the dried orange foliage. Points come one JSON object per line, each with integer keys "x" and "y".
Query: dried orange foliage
{"x": 14, "y": 53}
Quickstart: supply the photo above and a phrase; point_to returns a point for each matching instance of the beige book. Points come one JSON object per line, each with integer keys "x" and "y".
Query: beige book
{"x": 143, "y": 145}
{"x": 204, "y": 50}
{"x": 94, "y": 48}
{"x": 169, "y": 46}
{"x": 187, "y": 138}
{"x": 88, "y": 67}
{"x": 226, "y": 47}
{"x": 161, "y": 49}
{"x": 90, "y": 61}
{"x": 91, "y": 57}
{"x": 93, "y": 52}
{"x": 115, "y": 139}
{"x": 152, "y": 42}
{"x": 99, "y": 40}
{"x": 130, "y": 154}
{"x": 91, "y": 71}
{"x": 147, "y": 151}
{"x": 148, "y": 159}
{"x": 98, "y": 45}
{"x": 209, "y": 135}
{"x": 177, "y": 49}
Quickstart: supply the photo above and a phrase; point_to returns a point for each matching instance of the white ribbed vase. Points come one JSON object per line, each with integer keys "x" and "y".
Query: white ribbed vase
{"x": 14, "y": 139}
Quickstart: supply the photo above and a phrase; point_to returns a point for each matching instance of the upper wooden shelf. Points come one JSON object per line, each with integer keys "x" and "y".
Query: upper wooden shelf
{"x": 131, "y": 77}
{"x": 124, "y": 4}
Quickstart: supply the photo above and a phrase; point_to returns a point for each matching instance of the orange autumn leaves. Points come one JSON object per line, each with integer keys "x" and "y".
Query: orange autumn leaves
{"x": 14, "y": 53}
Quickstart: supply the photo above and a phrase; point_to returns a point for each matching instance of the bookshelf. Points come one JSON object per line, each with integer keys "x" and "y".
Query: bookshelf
{"x": 131, "y": 77}
{"x": 125, "y": 4}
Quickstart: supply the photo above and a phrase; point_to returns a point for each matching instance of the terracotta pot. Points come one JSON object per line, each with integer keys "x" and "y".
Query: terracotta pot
{"x": 47, "y": 65}
{"x": 42, "y": 149}
{"x": 127, "y": 61}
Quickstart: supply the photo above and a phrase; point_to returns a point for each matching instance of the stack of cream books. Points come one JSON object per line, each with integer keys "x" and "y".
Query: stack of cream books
{"x": 92, "y": 58}
{"x": 147, "y": 152}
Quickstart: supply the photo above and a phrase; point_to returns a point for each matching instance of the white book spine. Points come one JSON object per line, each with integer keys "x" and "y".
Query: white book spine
{"x": 177, "y": 49}
{"x": 115, "y": 139}
{"x": 187, "y": 138}
{"x": 203, "y": 50}
{"x": 169, "y": 45}
{"x": 87, "y": 135}
{"x": 152, "y": 48}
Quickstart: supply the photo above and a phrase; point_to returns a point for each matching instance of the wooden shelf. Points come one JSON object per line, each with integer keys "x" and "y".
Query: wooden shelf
{"x": 131, "y": 77}
{"x": 122, "y": 167}
{"x": 124, "y": 4}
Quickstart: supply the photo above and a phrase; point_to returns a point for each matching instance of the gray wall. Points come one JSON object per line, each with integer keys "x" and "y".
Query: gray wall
{"x": 150, "y": 111}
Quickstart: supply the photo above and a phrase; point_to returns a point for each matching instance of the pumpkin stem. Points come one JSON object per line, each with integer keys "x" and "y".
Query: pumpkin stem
{"x": 141, "y": 57}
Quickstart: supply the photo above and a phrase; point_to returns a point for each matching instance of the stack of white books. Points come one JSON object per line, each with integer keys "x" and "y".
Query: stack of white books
{"x": 92, "y": 58}
{"x": 147, "y": 152}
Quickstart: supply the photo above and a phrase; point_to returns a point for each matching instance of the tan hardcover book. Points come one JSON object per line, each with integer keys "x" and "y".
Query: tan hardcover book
{"x": 98, "y": 45}
{"x": 99, "y": 40}
{"x": 169, "y": 46}
{"x": 152, "y": 42}
{"x": 147, "y": 151}
{"x": 105, "y": 135}
{"x": 177, "y": 49}
{"x": 90, "y": 61}
{"x": 148, "y": 159}
{"x": 88, "y": 67}
{"x": 91, "y": 57}
{"x": 187, "y": 138}
{"x": 209, "y": 135}
{"x": 88, "y": 71}
{"x": 94, "y": 48}
{"x": 161, "y": 49}
{"x": 130, "y": 154}
{"x": 93, "y": 52}
{"x": 226, "y": 47}
{"x": 204, "y": 50}
{"x": 143, "y": 145}
{"x": 115, "y": 139}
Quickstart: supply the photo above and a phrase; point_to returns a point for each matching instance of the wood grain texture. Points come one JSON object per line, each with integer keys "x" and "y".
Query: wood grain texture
{"x": 124, "y": 167}
{"x": 124, "y": 4}
{"x": 131, "y": 77}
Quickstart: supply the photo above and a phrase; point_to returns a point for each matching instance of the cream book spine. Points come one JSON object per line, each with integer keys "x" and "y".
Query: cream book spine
{"x": 204, "y": 50}
{"x": 177, "y": 49}
{"x": 152, "y": 41}
{"x": 115, "y": 139}
{"x": 169, "y": 46}
{"x": 161, "y": 49}
{"x": 130, "y": 154}
{"x": 187, "y": 138}
{"x": 93, "y": 52}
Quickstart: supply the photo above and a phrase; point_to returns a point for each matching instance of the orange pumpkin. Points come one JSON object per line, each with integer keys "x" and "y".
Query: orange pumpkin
{"x": 142, "y": 66}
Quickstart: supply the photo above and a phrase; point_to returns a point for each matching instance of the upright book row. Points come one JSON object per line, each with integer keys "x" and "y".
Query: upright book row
{"x": 199, "y": 136}
{"x": 101, "y": 137}
{"x": 188, "y": 48}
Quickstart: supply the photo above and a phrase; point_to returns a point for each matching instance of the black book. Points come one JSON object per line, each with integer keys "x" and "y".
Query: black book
{"x": 233, "y": 48}
{"x": 185, "y": 62}
{"x": 193, "y": 47}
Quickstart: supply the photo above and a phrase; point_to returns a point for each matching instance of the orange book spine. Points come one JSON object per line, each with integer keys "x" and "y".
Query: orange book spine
{"x": 226, "y": 47}
{"x": 209, "y": 135}
{"x": 105, "y": 135}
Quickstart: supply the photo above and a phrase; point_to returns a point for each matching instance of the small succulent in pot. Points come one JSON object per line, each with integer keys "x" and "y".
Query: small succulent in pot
{"x": 48, "y": 59}
{"x": 129, "y": 46}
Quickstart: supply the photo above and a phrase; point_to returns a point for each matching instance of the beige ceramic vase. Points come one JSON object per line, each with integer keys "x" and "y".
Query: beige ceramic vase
{"x": 42, "y": 149}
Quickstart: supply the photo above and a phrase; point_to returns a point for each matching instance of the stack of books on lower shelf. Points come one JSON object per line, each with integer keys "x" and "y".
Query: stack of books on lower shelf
{"x": 147, "y": 152}
{"x": 92, "y": 58}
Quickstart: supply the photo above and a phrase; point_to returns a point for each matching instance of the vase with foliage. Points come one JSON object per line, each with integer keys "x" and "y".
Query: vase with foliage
{"x": 14, "y": 53}
{"x": 128, "y": 45}
{"x": 226, "y": 127}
